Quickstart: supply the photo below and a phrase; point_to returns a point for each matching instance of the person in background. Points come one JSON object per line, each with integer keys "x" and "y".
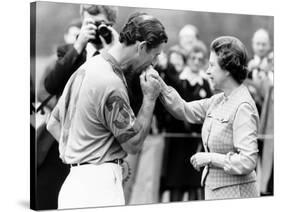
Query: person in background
{"x": 187, "y": 36}
{"x": 173, "y": 168}
{"x": 261, "y": 48}
{"x": 230, "y": 124}
{"x": 71, "y": 56}
{"x": 72, "y": 31}
{"x": 260, "y": 84}
{"x": 259, "y": 72}
{"x": 93, "y": 120}
{"x": 196, "y": 87}
{"x": 195, "y": 74}
{"x": 69, "y": 37}
{"x": 51, "y": 172}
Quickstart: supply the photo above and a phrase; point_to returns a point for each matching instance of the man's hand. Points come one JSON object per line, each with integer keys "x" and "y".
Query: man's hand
{"x": 115, "y": 39}
{"x": 154, "y": 74}
{"x": 150, "y": 84}
{"x": 87, "y": 32}
{"x": 200, "y": 159}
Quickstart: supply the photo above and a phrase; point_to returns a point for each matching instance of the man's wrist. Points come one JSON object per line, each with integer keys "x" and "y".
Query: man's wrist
{"x": 209, "y": 159}
{"x": 148, "y": 100}
{"x": 166, "y": 89}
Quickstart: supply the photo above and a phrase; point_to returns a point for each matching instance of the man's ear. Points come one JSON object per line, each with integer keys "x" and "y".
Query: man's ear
{"x": 227, "y": 73}
{"x": 142, "y": 47}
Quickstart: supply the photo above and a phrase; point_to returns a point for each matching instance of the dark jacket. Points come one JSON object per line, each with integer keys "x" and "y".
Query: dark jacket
{"x": 67, "y": 63}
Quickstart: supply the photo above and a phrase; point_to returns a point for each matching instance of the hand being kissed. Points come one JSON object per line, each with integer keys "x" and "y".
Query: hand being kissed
{"x": 150, "y": 84}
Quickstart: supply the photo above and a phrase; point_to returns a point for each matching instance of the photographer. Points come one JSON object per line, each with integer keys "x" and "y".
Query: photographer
{"x": 95, "y": 18}
{"x": 52, "y": 172}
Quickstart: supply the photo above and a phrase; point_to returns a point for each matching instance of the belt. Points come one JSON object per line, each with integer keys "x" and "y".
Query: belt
{"x": 117, "y": 161}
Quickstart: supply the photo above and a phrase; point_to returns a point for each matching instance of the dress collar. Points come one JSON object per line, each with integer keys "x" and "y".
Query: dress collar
{"x": 235, "y": 92}
{"x": 191, "y": 77}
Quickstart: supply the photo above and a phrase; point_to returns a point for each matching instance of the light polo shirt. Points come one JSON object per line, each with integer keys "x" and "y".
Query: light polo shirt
{"x": 94, "y": 113}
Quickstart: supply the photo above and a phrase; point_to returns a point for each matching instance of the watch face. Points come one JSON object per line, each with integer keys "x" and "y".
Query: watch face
{"x": 202, "y": 93}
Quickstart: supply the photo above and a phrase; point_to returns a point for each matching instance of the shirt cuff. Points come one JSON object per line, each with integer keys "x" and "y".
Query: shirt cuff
{"x": 167, "y": 90}
{"x": 217, "y": 160}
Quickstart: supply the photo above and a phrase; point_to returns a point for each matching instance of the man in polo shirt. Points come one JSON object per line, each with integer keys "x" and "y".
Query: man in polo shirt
{"x": 93, "y": 120}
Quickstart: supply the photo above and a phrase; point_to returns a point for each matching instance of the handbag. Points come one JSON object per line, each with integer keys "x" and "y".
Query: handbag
{"x": 43, "y": 139}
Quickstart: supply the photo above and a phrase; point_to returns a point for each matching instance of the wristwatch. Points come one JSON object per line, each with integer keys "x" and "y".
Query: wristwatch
{"x": 210, "y": 160}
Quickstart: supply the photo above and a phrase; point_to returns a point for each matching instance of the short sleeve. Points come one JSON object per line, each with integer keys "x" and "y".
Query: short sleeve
{"x": 119, "y": 117}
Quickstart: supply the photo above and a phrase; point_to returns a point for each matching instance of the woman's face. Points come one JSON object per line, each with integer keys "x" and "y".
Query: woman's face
{"x": 217, "y": 75}
{"x": 177, "y": 61}
{"x": 195, "y": 61}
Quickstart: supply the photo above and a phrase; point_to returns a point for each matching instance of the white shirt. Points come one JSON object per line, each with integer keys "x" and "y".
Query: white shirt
{"x": 90, "y": 49}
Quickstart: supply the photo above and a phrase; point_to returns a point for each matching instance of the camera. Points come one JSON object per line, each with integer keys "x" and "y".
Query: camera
{"x": 102, "y": 30}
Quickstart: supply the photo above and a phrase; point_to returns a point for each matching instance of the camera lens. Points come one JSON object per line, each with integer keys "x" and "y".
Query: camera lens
{"x": 105, "y": 32}
{"x": 102, "y": 30}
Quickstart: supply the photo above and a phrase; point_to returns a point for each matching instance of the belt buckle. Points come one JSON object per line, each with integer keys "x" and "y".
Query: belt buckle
{"x": 118, "y": 161}
{"x": 75, "y": 165}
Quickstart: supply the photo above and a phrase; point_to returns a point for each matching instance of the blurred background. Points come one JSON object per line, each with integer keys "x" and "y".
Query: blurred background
{"x": 53, "y": 18}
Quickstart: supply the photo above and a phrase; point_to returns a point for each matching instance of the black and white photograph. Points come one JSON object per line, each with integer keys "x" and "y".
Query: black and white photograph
{"x": 139, "y": 106}
{"x": 135, "y": 105}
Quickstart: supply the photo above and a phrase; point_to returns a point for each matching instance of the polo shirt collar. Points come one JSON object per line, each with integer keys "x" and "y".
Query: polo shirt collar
{"x": 115, "y": 65}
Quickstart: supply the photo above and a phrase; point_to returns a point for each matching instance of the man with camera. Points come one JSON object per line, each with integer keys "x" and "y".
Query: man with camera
{"x": 93, "y": 120}
{"x": 95, "y": 20}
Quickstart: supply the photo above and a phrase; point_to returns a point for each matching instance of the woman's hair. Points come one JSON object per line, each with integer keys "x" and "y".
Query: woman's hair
{"x": 177, "y": 49}
{"x": 199, "y": 46}
{"x": 232, "y": 56}
{"x": 143, "y": 27}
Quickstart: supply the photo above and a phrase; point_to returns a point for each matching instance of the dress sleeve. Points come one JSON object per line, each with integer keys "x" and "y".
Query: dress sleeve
{"x": 245, "y": 133}
{"x": 193, "y": 112}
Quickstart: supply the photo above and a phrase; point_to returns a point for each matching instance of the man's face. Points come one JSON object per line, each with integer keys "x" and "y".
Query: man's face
{"x": 261, "y": 44}
{"x": 95, "y": 18}
{"x": 187, "y": 39}
{"x": 146, "y": 57}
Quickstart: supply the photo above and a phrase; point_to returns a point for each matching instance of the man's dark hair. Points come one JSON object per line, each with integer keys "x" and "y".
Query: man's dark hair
{"x": 143, "y": 27}
{"x": 232, "y": 56}
{"x": 109, "y": 11}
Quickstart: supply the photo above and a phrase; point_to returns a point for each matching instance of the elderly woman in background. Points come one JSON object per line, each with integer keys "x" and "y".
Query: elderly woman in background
{"x": 174, "y": 172}
{"x": 230, "y": 123}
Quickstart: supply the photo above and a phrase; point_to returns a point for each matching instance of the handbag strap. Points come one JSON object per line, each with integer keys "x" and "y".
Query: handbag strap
{"x": 41, "y": 106}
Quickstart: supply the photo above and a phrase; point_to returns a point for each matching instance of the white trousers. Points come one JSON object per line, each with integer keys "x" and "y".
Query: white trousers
{"x": 92, "y": 186}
